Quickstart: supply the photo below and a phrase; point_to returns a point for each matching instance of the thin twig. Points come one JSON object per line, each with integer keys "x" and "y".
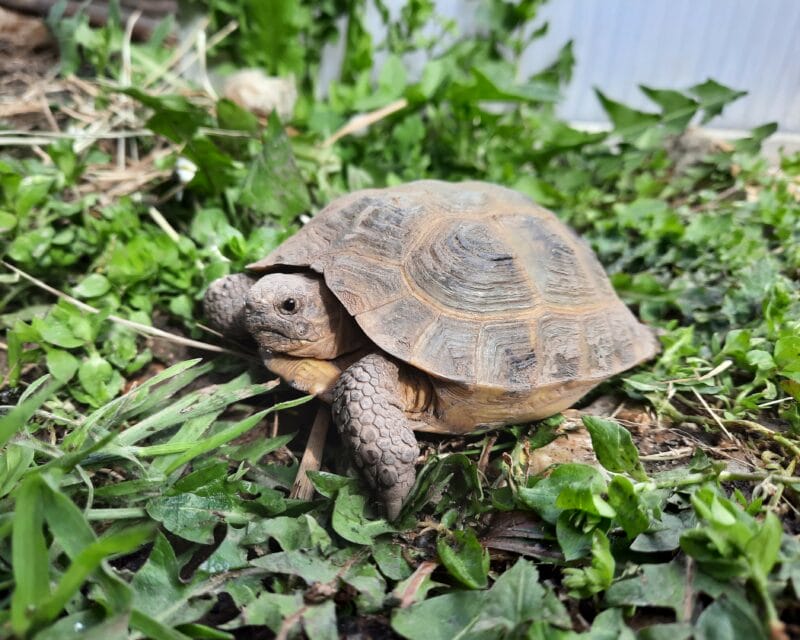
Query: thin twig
{"x": 141, "y": 328}
{"x": 312, "y": 457}
{"x": 712, "y": 413}
{"x": 181, "y": 50}
{"x": 201, "y": 49}
{"x": 483, "y": 461}
{"x": 364, "y": 120}
{"x": 42, "y": 414}
{"x": 723, "y": 366}
{"x": 163, "y": 224}
{"x": 414, "y": 581}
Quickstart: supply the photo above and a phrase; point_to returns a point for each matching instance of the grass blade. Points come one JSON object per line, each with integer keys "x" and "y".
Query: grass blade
{"x": 15, "y": 420}
{"x": 86, "y": 562}
{"x": 152, "y": 628}
{"x": 240, "y": 428}
{"x": 28, "y": 554}
{"x": 201, "y": 402}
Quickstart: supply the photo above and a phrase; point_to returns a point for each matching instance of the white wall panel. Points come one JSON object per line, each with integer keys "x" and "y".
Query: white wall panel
{"x": 752, "y": 45}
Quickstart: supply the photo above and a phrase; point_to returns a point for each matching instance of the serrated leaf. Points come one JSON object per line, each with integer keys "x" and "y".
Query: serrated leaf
{"x": 629, "y": 123}
{"x": 677, "y": 109}
{"x": 714, "y": 97}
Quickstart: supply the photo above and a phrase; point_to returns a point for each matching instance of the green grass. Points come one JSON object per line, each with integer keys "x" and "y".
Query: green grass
{"x": 140, "y": 495}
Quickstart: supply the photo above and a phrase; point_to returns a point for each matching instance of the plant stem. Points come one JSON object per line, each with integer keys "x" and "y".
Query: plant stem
{"x": 747, "y": 425}
{"x": 723, "y": 476}
{"x": 127, "y": 513}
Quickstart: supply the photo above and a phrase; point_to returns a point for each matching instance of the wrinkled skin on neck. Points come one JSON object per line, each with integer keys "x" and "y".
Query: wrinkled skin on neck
{"x": 295, "y": 314}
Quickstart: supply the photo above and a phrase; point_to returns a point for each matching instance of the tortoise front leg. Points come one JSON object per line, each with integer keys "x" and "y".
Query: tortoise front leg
{"x": 368, "y": 411}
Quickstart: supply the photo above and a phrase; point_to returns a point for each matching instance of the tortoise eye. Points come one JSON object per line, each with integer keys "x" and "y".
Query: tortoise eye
{"x": 289, "y": 305}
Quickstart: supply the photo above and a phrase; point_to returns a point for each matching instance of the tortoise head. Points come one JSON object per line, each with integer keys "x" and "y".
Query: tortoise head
{"x": 297, "y": 315}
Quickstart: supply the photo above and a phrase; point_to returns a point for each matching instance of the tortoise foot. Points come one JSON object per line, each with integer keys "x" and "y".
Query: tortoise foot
{"x": 367, "y": 410}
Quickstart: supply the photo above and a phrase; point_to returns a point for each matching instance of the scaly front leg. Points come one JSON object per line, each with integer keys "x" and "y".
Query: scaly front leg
{"x": 368, "y": 411}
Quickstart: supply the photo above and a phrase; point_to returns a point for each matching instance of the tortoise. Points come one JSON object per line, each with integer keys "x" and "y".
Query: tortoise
{"x": 431, "y": 306}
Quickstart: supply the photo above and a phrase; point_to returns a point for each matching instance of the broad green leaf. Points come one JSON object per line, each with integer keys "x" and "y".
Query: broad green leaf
{"x": 762, "y": 549}
{"x": 160, "y": 595}
{"x": 319, "y": 621}
{"x": 231, "y": 116}
{"x": 329, "y": 484}
{"x": 464, "y": 557}
{"x": 598, "y": 576}
{"x": 274, "y": 186}
{"x": 56, "y": 332}
{"x": 654, "y": 585}
{"x": 725, "y": 619}
{"x": 631, "y": 512}
{"x": 517, "y": 599}
{"x": 494, "y": 81}
{"x": 574, "y": 535}
{"x": 787, "y": 355}
{"x": 390, "y": 560}
{"x": 610, "y": 625}
{"x": 308, "y": 565}
{"x": 614, "y": 447}
{"x": 443, "y": 617}
{"x": 194, "y": 517}
{"x": 92, "y": 286}
{"x": 61, "y": 364}
{"x": 543, "y": 496}
{"x": 291, "y": 533}
{"x": 349, "y": 520}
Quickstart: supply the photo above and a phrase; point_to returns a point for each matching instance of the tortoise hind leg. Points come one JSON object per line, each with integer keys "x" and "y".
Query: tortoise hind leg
{"x": 368, "y": 411}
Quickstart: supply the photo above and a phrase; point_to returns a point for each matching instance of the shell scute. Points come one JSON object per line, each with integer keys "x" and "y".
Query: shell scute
{"x": 471, "y": 283}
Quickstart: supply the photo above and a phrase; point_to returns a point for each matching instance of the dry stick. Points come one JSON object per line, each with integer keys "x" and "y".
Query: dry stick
{"x": 364, "y": 120}
{"x": 414, "y": 581}
{"x": 712, "y": 413}
{"x": 312, "y": 457}
{"x": 141, "y": 328}
{"x": 746, "y": 425}
{"x": 127, "y": 74}
{"x": 181, "y": 50}
{"x": 483, "y": 461}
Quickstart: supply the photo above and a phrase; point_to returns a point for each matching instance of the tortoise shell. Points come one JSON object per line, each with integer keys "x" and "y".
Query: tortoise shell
{"x": 471, "y": 283}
